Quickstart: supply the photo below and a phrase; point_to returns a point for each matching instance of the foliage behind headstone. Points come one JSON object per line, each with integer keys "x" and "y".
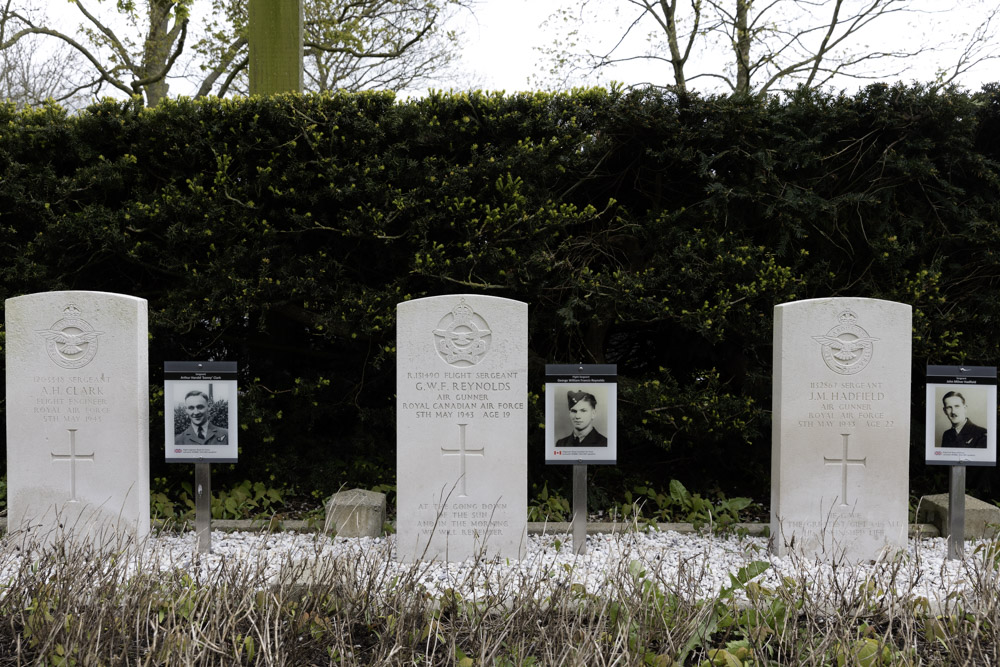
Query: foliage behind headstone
{"x": 643, "y": 229}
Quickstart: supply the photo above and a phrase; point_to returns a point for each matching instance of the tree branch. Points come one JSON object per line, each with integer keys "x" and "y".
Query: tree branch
{"x": 106, "y": 75}
{"x": 234, "y": 50}
{"x": 138, "y": 84}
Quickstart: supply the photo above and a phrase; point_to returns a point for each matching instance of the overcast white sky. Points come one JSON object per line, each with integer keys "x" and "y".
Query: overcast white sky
{"x": 502, "y": 37}
{"x": 500, "y": 42}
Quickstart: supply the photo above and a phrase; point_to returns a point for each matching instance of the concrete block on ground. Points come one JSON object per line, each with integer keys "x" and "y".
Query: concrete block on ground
{"x": 982, "y": 519}
{"x": 355, "y": 513}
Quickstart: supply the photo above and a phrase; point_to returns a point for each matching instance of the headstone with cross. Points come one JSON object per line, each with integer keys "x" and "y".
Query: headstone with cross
{"x": 77, "y": 417}
{"x": 840, "y": 427}
{"x": 461, "y": 428}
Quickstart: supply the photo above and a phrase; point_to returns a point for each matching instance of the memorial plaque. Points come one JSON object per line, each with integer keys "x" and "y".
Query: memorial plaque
{"x": 77, "y": 417}
{"x": 581, "y": 414}
{"x": 961, "y": 416}
{"x": 840, "y": 427}
{"x": 202, "y": 426}
{"x": 461, "y": 428}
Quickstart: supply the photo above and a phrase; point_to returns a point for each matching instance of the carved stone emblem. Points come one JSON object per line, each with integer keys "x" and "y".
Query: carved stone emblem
{"x": 462, "y": 337}
{"x": 847, "y": 348}
{"x": 71, "y": 342}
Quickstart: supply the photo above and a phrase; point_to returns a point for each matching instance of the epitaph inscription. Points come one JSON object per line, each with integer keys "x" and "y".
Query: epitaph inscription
{"x": 461, "y": 414}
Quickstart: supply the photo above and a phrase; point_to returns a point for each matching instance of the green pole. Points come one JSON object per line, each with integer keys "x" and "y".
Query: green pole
{"x": 275, "y": 34}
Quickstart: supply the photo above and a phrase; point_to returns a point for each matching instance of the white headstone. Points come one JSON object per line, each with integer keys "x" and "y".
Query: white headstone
{"x": 77, "y": 416}
{"x": 461, "y": 428}
{"x": 841, "y": 427}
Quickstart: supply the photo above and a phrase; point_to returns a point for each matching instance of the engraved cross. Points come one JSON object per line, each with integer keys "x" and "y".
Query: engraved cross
{"x": 843, "y": 463}
{"x": 72, "y": 457}
{"x": 461, "y": 453}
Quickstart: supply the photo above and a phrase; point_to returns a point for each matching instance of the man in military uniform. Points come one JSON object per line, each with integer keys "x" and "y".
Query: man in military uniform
{"x": 582, "y": 410}
{"x": 963, "y": 433}
{"x": 201, "y": 431}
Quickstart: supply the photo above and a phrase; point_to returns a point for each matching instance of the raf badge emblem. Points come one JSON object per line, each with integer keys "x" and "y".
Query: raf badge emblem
{"x": 847, "y": 348}
{"x": 71, "y": 342}
{"x": 462, "y": 337}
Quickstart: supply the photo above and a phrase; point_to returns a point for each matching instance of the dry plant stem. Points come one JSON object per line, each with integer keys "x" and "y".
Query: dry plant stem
{"x": 77, "y": 605}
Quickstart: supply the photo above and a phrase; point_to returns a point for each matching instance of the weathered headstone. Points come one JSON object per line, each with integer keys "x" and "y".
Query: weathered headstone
{"x": 77, "y": 417}
{"x": 982, "y": 520}
{"x": 355, "y": 513}
{"x": 461, "y": 428}
{"x": 840, "y": 427}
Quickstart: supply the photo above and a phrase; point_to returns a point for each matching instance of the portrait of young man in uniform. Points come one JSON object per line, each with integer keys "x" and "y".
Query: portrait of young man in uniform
{"x": 582, "y": 411}
{"x": 201, "y": 431}
{"x": 963, "y": 432}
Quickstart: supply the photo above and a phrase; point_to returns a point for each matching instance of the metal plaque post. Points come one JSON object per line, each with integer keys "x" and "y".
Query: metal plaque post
{"x": 956, "y": 513}
{"x": 580, "y": 509}
{"x": 203, "y": 506}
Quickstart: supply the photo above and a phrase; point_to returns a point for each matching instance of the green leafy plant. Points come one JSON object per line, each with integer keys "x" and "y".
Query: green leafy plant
{"x": 648, "y": 505}
{"x": 245, "y": 500}
{"x": 723, "y": 613}
{"x": 549, "y": 506}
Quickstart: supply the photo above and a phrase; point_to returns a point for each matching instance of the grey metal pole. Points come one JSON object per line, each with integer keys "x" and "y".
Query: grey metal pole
{"x": 956, "y": 513}
{"x": 580, "y": 509}
{"x": 203, "y": 506}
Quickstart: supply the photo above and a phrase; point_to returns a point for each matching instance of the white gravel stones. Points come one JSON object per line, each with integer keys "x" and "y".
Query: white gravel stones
{"x": 688, "y": 565}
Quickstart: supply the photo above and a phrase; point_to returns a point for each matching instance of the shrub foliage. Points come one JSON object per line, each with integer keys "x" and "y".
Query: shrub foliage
{"x": 644, "y": 229}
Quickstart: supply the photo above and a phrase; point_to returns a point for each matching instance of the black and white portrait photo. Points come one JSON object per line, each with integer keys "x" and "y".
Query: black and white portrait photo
{"x": 961, "y": 430}
{"x": 201, "y": 419}
{"x": 582, "y": 412}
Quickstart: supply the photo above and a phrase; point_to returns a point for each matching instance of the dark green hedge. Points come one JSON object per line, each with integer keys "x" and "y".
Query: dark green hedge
{"x": 642, "y": 229}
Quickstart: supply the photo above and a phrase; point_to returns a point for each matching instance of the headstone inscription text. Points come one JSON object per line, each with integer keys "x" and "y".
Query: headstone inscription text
{"x": 461, "y": 424}
{"x": 840, "y": 429}
{"x": 77, "y": 416}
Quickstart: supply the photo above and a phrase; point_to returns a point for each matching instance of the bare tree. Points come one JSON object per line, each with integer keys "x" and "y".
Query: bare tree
{"x": 116, "y": 58}
{"x": 387, "y": 45}
{"x": 978, "y": 46}
{"x": 30, "y": 75}
{"x": 137, "y": 46}
{"x": 771, "y": 44}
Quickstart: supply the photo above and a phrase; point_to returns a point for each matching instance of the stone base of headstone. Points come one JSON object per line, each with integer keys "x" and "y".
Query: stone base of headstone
{"x": 981, "y": 519}
{"x": 355, "y": 513}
